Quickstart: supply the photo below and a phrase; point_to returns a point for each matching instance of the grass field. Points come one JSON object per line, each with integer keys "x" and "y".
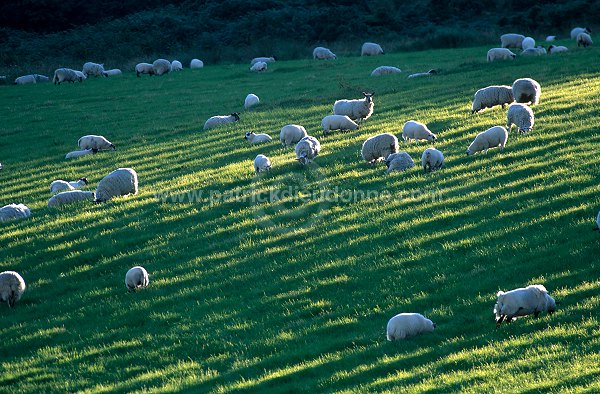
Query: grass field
{"x": 294, "y": 293}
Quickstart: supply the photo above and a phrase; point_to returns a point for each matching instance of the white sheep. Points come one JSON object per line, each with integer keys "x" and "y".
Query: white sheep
{"x": 70, "y": 196}
{"x": 385, "y": 70}
{"x": 307, "y": 149}
{"x": 196, "y": 63}
{"x": 14, "y": 211}
{"x": 144, "y": 68}
{"x": 528, "y": 42}
{"x": 95, "y": 69}
{"x": 12, "y": 287}
{"x": 512, "y": 40}
{"x": 526, "y": 90}
{"x": 271, "y": 59}
{"x": 432, "y": 160}
{"x": 578, "y": 30}
{"x": 136, "y": 278}
{"x": 82, "y": 77}
{"x": 219, "y": 120}
{"x": 550, "y": 38}
{"x": 79, "y": 153}
{"x": 426, "y": 74}
{"x": 337, "y": 122}
{"x": 584, "y": 40}
{"x": 95, "y": 143}
{"x": 322, "y": 53}
{"x": 491, "y": 138}
{"x": 379, "y": 147}
{"x": 500, "y": 53}
{"x": 262, "y": 163}
{"x": 405, "y": 325}
{"x": 490, "y": 96}
{"x": 290, "y": 134}
{"x": 31, "y": 78}
{"x": 176, "y": 65}
{"x": 537, "y": 51}
{"x": 521, "y": 116}
{"x": 113, "y": 72}
{"x": 557, "y": 49}
{"x": 523, "y": 301}
{"x": 357, "y": 110}
{"x": 371, "y": 49}
{"x": 417, "y": 131}
{"x": 251, "y": 101}
{"x": 597, "y": 228}
{"x": 161, "y": 66}
{"x": 60, "y": 185}
{"x": 120, "y": 182}
{"x": 259, "y": 66}
{"x": 400, "y": 161}
{"x": 257, "y": 138}
{"x": 66, "y": 75}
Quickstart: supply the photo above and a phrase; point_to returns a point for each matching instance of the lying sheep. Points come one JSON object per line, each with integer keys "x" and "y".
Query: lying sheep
{"x": 432, "y": 160}
{"x": 405, "y": 325}
{"x": 144, "y": 68}
{"x": 521, "y": 116}
{"x": 95, "y": 143}
{"x": 271, "y": 59}
{"x": 12, "y": 287}
{"x": 307, "y": 149}
{"x": 31, "y": 78}
{"x": 537, "y": 51}
{"x": 176, "y": 65}
{"x": 136, "y": 278}
{"x": 251, "y": 100}
{"x": 512, "y": 40}
{"x": 322, "y": 53}
{"x": 528, "y": 42}
{"x": 557, "y": 49}
{"x": 491, "y": 96}
{"x": 378, "y": 147}
{"x": 257, "y": 138}
{"x": 578, "y": 30}
{"x": 79, "y": 153}
{"x": 14, "y": 211}
{"x": 491, "y": 138}
{"x": 385, "y": 70}
{"x": 499, "y": 53}
{"x": 196, "y": 63}
{"x": 215, "y": 121}
{"x": 370, "y": 49}
{"x": 520, "y": 302}
{"x": 120, "y": 182}
{"x": 427, "y": 74}
{"x": 357, "y": 110}
{"x": 526, "y": 90}
{"x": 337, "y": 122}
{"x": 290, "y": 134}
{"x": 66, "y": 75}
{"x": 584, "y": 40}
{"x": 70, "y": 196}
{"x": 258, "y": 67}
{"x": 95, "y": 69}
{"x": 417, "y": 131}
{"x": 161, "y": 66}
{"x": 60, "y": 185}
{"x": 262, "y": 163}
{"x": 400, "y": 161}
{"x": 113, "y": 72}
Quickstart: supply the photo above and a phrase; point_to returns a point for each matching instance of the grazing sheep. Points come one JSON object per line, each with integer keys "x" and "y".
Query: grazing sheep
{"x": 60, "y": 185}
{"x": 526, "y": 90}
{"x": 120, "y": 182}
{"x": 144, "y": 68}
{"x": 70, "y": 196}
{"x": 290, "y": 134}
{"x": 113, "y": 72}
{"x": 12, "y": 287}
{"x": 584, "y": 40}
{"x": 521, "y": 116}
{"x": 557, "y": 49}
{"x": 262, "y": 163}
{"x": 136, "y": 278}
{"x": 400, "y": 161}
{"x": 550, "y": 38}
{"x": 257, "y": 138}
{"x": 370, "y": 49}
{"x": 95, "y": 143}
{"x": 512, "y": 40}
{"x": 307, "y": 149}
{"x": 215, "y": 121}
{"x": 321, "y": 53}
{"x": 271, "y": 59}
{"x": 378, "y": 147}
{"x": 578, "y": 30}
{"x": 31, "y": 78}
{"x": 196, "y": 63}
{"x": 251, "y": 100}
{"x": 66, "y": 75}
{"x": 597, "y": 228}
{"x": 14, "y": 211}
{"x": 432, "y": 160}
{"x": 490, "y": 96}
{"x": 385, "y": 70}
{"x": 95, "y": 69}
{"x": 405, "y": 325}
{"x": 537, "y": 51}
{"x": 417, "y": 131}
{"x": 82, "y": 77}
{"x": 528, "y": 42}
{"x": 525, "y": 301}
{"x": 499, "y": 53}
{"x": 491, "y": 138}
{"x": 357, "y": 110}
{"x": 79, "y": 153}
{"x": 337, "y": 122}
{"x": 427, "y": 74}
{"x": 259, "y": 66}
{"x": 161, "y": 66}
{"x": 176, "y": 65}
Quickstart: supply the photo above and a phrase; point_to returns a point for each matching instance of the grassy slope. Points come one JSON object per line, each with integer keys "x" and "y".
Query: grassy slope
{"x": 292, "y": 296}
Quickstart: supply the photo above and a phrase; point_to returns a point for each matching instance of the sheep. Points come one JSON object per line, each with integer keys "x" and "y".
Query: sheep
{"x": 262, "y": 163}
{"x": 176, "y": 65}
{"x": 385, "y": 70}
{"x": 80, "y": 75}
{"x": 526, "y": 90}
{"x": 491, "y": 138}
{"x": 95, "y": 143}
{"x": 405, "y": 325}
{"x": 322, "y": 53}
{"x": 120, "y": 182}
{"x": 490, "y": 96}
{"x": 60, "y": 185}
{"x": 597, "y": 228}
{"x": 14, "y": 211}
{"x": 215, "y": 121}
{"x": 537, "y": 51}
{"x": 557, "y": 49}
{"x": 259, "y": 66}
{"x": 500, "y": 53}
{"x": 532, "y": 299}
{"x": 136, "y": 278}
{"x": 144, "y": 68}
{"x": 31, "y": 78}
{"x": 95, "y": 69}
{"x": 271, "y": 59}
{"x": 251, "y": 100}
{"x": 196, "y": 63}
{"x": 427, "y": 74}
{"x": 527, "y": 42}
{"x": 113, "y": 72}
{"x": 257, "y": 138}
{"x": 161, "y": 66}
{"x": 521, "y": 116}
{"x": 12, "y": 287}
{"x": 371, "y": 49}
{"x": 577, "y": 30}
{"x": 432, "y": 160}
{"x": 584, "y": 40}
{"x": 550, "y": 38}
{"x": 66, "y": 75}
{"x": 337, "y": 122}
{"x": 378, "y": 147}
{"x": 400, "y": 161}
{"x": 70, "y": 196}
{"x": 512, "y": 40}
{"x": 417, "y": 131}
{"x": 357, "y": 110}
{"x": 79, "y": 153}
{"x": 307, "y": 149}
{"x": 290, "y": 134}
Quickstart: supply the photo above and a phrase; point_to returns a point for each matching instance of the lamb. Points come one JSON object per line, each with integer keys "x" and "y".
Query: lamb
{"x": 512, "y": 40}
{"x": 557, "y": 49}
{"x": 405, "y": 325}
{"x": 95, "y": 143}
{"x": 69, "y": 197}
{"x": 12, "y": 287}
{"x": 113, "y": 72}
{"x": 417, "y": 131}
{"x": 136, "y": 278}
{"x": 491, "y": 138}
{"x": 526, "y": 90}
{"x": 290, "y": 134}
{"x": 322, "y": 53}
{"x": 215, "y": 121}
{"x": 400, "y": 161}
{"x": 271, "y": 59}
{"x": 262, "y": 163}
{"x": 95, "y": 69}
{"x": 337, "y": 122}
{"x": 358, "y": 110}
{"x": 528, "y": 42}
{"x": 370, "y": 49}
{"x": 584, "y": 40}
{"x": 307, "y": 149}
{"x": 66, "y": 75}
{"x": 120, "y": 182}
{"x": 257, "y": 138}
{"x": 500, "y": 53}
{"x": 378, "y": 147}
{"x": 385, "y": 70}
{"x": 60, "y": 185}
{"x": 432, "y": 160}
{"x": 578, "y": 30}
{"x": 144, "y": 68}
{"x": 521, "y": 116}
{"x": 490, "y": 96}
{"x": 161, "y": 66}
{"x": 176, "y": 65}
{"x": 251, "y": 100}
{"x": 537, "y": 51}
{"x": 427, "y": 74}
{"x": 79, "y": 153}
{"x": 31, "y": 78}
{"x": 14, "y": 211}
{"x": 259, "y": 66}
{"x": 520, "y": 302}
{"x": 196, "y": 63}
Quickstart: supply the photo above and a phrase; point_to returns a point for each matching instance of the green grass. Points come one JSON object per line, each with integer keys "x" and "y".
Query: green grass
{"x": 295, "y": 295}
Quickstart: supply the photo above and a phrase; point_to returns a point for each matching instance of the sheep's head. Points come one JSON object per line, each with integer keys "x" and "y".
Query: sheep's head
{"x": 431, "y": 138}
{"x": 469, "y": 152}
{"x": 303, "y": 160}
{"x": 84, "y": 180}
{"x": 113, "y": 147}
{"x": 249, "y": 135}
{"x": 236, "y": 115}
{"x": 432, "y": 71}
